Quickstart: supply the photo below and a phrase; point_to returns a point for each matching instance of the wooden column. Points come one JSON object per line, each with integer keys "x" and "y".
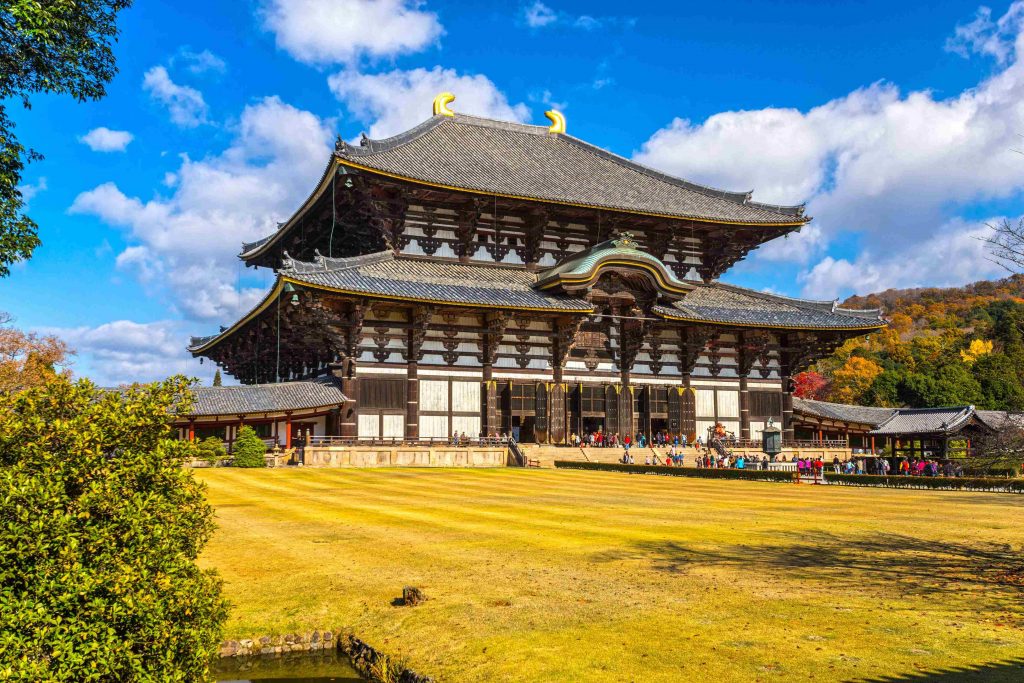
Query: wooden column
{"x": 744, "y": 408}
{"x": 490, "y": 343}
{"x": 412, "y": 401}
{"x": 191, "y": 430}
{"x": 787, "y": 410}
{"x": 349, "y": 418}
{"x": 287, "y": 430}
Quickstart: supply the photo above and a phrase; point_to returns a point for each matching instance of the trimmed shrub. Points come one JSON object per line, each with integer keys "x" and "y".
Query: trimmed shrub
{"x": 211, "y": 449}
{"x": 100, "y": 527}
{"x": 699, "y": 472}
{"x": 890, "y": 481}
{"x": 249, "y": 449}
{"x": 999, "y": 484}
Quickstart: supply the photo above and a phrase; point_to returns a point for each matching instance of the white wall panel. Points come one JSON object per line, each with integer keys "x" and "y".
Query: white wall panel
{"x": 728, "y": 404}
{"x": 433, "y": 395}
{"x": 434, "y": 427}
{"x": 369, "y": 426}
{"x": 467, "y": 424}
{"x": 465, "y": 397}
{"x": 755, "y": 429}
{"x": 704, "y": 402}
{"x": 392, "y": 426}
{"x": 702, "y": 428}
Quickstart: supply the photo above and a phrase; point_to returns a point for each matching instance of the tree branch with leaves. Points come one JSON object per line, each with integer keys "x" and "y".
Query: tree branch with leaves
{"x": 62, "y": 47}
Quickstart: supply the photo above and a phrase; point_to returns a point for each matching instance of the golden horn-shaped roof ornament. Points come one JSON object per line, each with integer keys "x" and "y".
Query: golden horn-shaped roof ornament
{"x": 441, "y": 103}
{"x": 557, "y": 121}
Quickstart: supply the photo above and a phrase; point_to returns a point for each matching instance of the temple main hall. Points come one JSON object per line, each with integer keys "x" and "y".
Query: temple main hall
{"x": 487, "y": 277}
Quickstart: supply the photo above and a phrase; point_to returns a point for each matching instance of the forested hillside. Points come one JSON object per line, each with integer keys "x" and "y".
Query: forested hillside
{"x": 956, "y": 346}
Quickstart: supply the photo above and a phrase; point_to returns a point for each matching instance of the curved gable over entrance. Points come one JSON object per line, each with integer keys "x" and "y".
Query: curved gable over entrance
{"x": 620, "y": 256}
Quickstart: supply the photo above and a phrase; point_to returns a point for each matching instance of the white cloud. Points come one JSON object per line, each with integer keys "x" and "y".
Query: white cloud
{"x": 398, "y": 100}
{"x": 538, "y": 14}
{"x": 123, "y": 351}
{"x": 184, "y": 245}
{"x": 897, "y": 169}
{"x": 953, "y": 256}
{"x": 186, "y": 105}
{"x": 986, "y": 37}
{"x": 340, "y": 31}
{"x": 103, "y": 139}
{"x": 30, "y": 190}
{"x": 201, "y": 62}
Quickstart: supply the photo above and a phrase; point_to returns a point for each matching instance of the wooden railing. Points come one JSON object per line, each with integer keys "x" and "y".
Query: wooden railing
{"x": 379, "y": 441}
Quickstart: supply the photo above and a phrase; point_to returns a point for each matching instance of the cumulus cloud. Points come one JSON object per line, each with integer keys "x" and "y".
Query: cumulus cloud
{"x": 953, "y": 256}
{"x": 186, "y": 105}
{"x": 124, "y": 351}
{"x": 103, "y": 139}
{"x": 897, "y": 169}
{"x": 184, "y": 245}
{"x": 339, "y": 31}
{"x": 397, "y": 100}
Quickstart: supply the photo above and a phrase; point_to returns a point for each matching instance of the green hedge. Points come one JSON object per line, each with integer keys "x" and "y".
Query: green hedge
{"x": 948, "y": 483}
{"x": 699, "y": 472}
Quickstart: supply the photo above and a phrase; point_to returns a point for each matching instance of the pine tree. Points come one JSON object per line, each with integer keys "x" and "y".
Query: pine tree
{"x": 248, "y": 449}
{"x": 216, "y": 378}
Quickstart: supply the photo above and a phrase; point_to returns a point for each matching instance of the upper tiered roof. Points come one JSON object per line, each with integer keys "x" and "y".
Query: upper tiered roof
{"x": 517, "y": 160}
{"x": 476, "y": 155}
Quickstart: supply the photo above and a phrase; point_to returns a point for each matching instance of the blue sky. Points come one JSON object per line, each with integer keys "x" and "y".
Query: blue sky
{"x": 894, "y": 121}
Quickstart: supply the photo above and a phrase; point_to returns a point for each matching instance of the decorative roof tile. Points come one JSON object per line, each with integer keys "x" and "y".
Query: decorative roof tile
{"x": 730, "y": 305}
{"x": 866, "y": 415}
{"x": 511, "y": 159}
{"x": 415, "y": 279}
{"x": 925, "y": 421}
{"x": 267, "y": 398}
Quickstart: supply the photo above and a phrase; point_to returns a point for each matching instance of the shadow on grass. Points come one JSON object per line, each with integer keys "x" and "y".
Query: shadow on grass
{"x": 910, "y": 565}
{"x": 1008, "y": 670}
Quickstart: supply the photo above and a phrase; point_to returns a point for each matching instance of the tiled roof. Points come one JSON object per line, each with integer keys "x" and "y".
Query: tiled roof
{"x": 867, "y": 415}
{"x": 728, "y": 304}
{"x": 511, "y": 159}
{"x": 384, "y": 274}
{"x": 925, "y": 421}
{"x": 267, "y": 398}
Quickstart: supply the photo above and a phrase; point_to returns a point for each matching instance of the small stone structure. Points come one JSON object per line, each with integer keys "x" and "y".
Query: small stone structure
{"x": 412, "y": 596}
{"x": 405, "y": 456}
{"x": 309, "y": 641}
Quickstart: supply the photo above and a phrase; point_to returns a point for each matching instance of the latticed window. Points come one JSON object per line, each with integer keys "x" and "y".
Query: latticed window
{"x": 524, "y": 398}
{"x": 592, "y": 399}
{"x": 659, "y": 400}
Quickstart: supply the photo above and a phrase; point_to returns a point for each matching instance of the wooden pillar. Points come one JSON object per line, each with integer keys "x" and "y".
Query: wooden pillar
{"x": 346, "y": 372}
{"x": 412, "y": 400}
{"x": 288, "y": 430}
{"x": 744, "y": 408}
{"x": 626, "y": 407}
{"x": 787, "y": 410}
{"x": 191, "y": 430}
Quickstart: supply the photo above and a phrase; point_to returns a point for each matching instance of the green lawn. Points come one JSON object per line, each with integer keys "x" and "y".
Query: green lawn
{"x": 545, "y": 575}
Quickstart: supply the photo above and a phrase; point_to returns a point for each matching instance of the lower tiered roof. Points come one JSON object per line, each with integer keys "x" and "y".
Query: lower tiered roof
{"x": 388, "y": 276}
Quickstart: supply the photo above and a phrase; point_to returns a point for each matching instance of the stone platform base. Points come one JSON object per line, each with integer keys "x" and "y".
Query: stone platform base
{"x": 406, "y": 456}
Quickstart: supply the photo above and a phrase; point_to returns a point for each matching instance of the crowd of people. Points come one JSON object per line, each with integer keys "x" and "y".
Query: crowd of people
{"x": 602, "y": 439}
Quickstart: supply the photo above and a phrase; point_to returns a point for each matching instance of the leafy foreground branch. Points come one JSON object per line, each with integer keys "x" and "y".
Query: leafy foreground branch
{"x": 100, "y": 527}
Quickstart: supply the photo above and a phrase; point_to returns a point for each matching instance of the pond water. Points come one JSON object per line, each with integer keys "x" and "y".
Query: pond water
{"x": 318, "y": 667}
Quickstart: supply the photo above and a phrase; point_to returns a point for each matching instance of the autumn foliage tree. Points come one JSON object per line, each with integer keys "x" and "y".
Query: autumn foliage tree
{"x": 28, "y": 359}
{"x": 852, "y": 380}
{"x": 811, "y": 385}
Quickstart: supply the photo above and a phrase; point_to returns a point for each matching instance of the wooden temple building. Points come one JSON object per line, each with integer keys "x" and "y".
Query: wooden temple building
{"x": 485, "y": 277}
